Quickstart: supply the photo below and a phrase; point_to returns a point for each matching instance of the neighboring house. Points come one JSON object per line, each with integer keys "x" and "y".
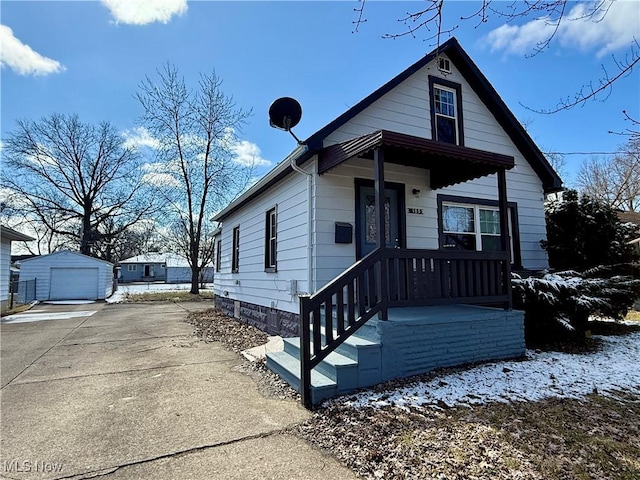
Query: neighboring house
{"x": 7, "y": 235}
{"x": 631, "y": 217}
{"x": 67, "y": 275}
{"x": 463, "y": 187}
{"x": 160, "y": 267}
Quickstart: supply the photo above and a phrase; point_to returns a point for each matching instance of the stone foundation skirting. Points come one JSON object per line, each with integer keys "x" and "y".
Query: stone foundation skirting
{"x": 269, "y": 320}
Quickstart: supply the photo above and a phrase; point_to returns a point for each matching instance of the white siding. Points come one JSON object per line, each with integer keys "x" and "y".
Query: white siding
{"x": 5, "y": 268}
{"x": 405, "y": 109}
{"x": 335, "y": 202}
{"x": 252, "y": 284}
{"x": 40, "y": 269}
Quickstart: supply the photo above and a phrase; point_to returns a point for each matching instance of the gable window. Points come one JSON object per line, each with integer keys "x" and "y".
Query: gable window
{"x": 271, "y": 233}
{"x": 218, "y": 255}
{"x": 132, "y": 267}
{"x": 445, "y": 100}
{"x": 474, "y": 224}
{"x": 235, "y": 251}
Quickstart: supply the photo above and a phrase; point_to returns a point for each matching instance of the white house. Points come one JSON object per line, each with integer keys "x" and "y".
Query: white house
{"x": 68, "y": 275}
{"x": 462, "y": 185}
{"x": 7, "y": 235}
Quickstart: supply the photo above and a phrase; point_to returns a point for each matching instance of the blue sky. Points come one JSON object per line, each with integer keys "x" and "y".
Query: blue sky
{"x": 89, "y": 58}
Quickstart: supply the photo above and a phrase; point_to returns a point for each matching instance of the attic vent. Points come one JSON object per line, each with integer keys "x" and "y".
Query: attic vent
{"x": 444, "y": 65}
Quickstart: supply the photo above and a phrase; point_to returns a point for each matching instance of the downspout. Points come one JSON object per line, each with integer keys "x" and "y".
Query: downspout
{"x": 310, "y": 181}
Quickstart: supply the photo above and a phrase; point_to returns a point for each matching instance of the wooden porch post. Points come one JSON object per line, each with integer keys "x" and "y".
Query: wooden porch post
{"x": 504, "y": 231}
{"x": 378, "y": 161}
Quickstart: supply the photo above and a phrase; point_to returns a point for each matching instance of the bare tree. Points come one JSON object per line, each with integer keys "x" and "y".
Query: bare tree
{"x": 16, "y": 213}
{"x": 615, "y": 181}
{"x": 195, "y": 172}
{"x": 141, "y": 238}
{"x": 73, "y": 179}
{"x": 431, "y": 23}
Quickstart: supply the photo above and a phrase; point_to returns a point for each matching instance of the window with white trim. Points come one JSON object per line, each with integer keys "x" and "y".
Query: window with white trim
{"x": 445, "y": 102}
{"x": 235, "y": 251}
{"x": 218, "y": 254}
{"x": 132, "y": 267}
{"x": 271, "y": 237}
{"x": 473, "y": 227}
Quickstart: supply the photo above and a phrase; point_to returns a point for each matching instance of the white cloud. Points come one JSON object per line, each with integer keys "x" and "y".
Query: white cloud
{"x": 22, "y": 59}
{"x": 248, "y": 154}
{"x": 160, "y": 179}
{"x": 243, "y": 152}
{"x": 142, "y": 12}
{"x": 611, "y": 27}
{"x": 139, "y": 137}
{"x": 164, "y": 174}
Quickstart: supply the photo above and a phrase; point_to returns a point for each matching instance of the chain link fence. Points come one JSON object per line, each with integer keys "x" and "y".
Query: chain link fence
{"x": 22, "y": 292}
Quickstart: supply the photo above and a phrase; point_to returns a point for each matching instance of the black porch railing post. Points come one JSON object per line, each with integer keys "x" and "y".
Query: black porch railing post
{"x": 305, "y": 351}
{"x": 381, "y": 237}
{"x": 504, "y": 233}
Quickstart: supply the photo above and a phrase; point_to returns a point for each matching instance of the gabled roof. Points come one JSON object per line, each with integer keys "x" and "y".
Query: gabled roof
{"x": 478, "y": 82}
{"x": 476, "y": 79}
{"x": 13, "y": 235}
{"x": 629, "y": 217}
{"x": 146, "y": 258}
{"x": 64, "y": 252}
{"x": 169, "y": 259}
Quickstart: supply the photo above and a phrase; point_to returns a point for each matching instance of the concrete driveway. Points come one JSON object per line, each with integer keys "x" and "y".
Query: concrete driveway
{"x": 128, "y": 392}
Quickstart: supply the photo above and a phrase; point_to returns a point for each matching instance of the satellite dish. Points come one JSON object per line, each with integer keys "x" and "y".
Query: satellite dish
{"x": 285, "y": 113}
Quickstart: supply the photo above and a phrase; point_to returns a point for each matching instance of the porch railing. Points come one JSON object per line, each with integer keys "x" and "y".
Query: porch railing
{"x": 389, "y": 278}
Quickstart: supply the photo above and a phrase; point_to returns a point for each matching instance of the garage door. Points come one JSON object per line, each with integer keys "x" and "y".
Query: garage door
{"x": 74, "y": 284}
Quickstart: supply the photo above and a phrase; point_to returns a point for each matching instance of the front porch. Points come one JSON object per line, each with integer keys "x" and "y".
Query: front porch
{"x": 417, "y": 299}
{"x": 410, "y": 341}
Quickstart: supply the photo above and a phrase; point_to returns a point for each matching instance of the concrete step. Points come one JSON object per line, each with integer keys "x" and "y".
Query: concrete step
{"x": 288, "y": 368}
{"x": 367, "y": 331}
{"x": 342, "y": 370}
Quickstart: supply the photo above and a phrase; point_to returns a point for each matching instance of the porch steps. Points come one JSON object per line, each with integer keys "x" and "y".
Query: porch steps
{"x": 355, "y": 364}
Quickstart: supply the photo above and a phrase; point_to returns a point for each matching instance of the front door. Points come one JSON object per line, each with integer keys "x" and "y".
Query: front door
{"x": 366, "y": 218}
{"x": 148, "y": 270}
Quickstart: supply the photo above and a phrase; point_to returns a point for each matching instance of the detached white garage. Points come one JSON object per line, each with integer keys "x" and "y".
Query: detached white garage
{"x": 68, "y": 276}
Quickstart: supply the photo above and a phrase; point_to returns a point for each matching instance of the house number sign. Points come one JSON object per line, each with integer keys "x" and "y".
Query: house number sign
{"x": 415, "y": 211}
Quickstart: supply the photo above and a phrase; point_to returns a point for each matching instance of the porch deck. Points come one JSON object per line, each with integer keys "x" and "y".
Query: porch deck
{"x": 410, "y": 341}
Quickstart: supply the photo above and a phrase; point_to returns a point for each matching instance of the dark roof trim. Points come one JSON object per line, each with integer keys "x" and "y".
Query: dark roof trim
{"x": 469, "y": 70}
{"x": 316, "y": 139}
{"x": 550, "y": 179}
{"x": 280, "y": 171}
{"x": 334, "y": 155}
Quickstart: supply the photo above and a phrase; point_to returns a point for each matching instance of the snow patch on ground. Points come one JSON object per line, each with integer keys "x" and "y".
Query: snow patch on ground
{"x": 119, "y": 295}
{"x": 39, "y": 317}
{"x": 69, "y": 302}
{"x": 542, "y": 375}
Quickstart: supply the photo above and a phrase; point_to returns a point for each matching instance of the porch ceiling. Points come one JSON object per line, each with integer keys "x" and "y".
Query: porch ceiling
{"x": 449, "y": 164}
